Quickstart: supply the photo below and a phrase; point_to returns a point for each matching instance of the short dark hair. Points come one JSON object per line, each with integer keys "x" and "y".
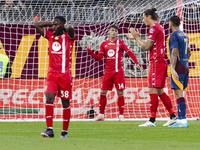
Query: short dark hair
{"x": 152, "y": 13}
{"x": 113, "y": 26}
{"x": 61, "y": 18}
{"x": 176, "y": 21}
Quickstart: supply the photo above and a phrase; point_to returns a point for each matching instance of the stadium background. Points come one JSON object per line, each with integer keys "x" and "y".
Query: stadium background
{"x": 21, "y": 97}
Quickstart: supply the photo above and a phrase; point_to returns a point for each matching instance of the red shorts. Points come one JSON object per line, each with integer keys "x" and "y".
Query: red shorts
{"x": 60, "y": 84}
{"x": 157, "y": 74}
{"x": 110, "y": 78}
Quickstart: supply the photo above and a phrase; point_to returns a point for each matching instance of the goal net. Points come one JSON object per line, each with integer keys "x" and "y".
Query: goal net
{"x": 22, "y": 94}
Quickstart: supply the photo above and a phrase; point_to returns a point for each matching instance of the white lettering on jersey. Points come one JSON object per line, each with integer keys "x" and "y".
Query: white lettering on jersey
{"x": 64, "y": 94}
{"x": 150, "y": 36}
{"x": 111, "y": 53}
{"x": 56, "y": 46}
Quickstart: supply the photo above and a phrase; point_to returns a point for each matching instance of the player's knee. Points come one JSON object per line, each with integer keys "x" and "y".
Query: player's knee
{"x": 119, "y": 92}
{"x": 152, "y": 91}
{"x": 65, "y": 103}
{"x": 160, "y": 91}
{"x": 50, "y": 97}
{"x": 50, "y": 100}
{"x": 178, "y": 93}
{"x": 104, "y": 91}
{"x": 177, "y": 96}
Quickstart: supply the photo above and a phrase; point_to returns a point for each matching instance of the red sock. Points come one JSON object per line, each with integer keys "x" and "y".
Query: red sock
{"x": 49, "y": 115}
{"x": 121, "y": 104}
{"x": 154, "y": 104}
{"x": 66, "y": 118}
{"x": 167, "y": 102}
{"x": 102, "y": 103}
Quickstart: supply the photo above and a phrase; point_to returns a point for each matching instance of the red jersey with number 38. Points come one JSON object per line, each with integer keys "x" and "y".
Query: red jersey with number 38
{"x": 60, "y": 50}
{"x": 156, "y": 34}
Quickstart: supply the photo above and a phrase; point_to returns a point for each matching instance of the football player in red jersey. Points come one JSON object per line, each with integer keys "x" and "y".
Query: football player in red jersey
{"x": 59, "y": 78}
{"x": 155, "y": 44}
{"x": 113, "y": 49}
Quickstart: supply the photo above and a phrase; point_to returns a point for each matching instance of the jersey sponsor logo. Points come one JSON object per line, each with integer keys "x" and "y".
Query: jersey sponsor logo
{"x": 111, "y": 43}
{"x": 150, "y": 36}
{"x": 56, "y": 46}
{"x": 111, "y": 53}
{"x": 152, "y": 30}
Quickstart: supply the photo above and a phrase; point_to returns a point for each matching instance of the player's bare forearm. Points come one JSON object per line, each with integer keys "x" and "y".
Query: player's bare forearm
{"x": 39, "y": 26}
{"x": 135, "y": 34}
{"x": 174, "y": 56}
{"x": 144, "y": 44}
{"x": 70, "y": 32}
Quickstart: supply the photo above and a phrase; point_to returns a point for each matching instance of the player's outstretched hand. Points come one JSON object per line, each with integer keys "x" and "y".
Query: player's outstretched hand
{"x": 88, "y": 46}
{"x": 140, "y": 66}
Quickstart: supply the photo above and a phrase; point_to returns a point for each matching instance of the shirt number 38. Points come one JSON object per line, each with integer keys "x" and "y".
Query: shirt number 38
{"x": 64, "y": 94}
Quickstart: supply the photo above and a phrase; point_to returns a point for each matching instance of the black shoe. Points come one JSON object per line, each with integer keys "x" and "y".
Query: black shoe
{"x": 64, "y": 134}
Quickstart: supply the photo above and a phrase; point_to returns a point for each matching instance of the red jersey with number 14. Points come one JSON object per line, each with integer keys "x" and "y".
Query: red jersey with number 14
{"x": 60, "y": 50}
{"x": 156, "y": 34}
{"x": 114, "y": 51}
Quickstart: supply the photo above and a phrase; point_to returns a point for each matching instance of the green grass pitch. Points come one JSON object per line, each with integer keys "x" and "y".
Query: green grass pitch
{"x": 107, "y": 135}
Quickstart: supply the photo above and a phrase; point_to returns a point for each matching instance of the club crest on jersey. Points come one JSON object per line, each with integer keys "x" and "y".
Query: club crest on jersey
{"x": 111, "y": 43}
{"x": 111, "y": 53}
{"x": 56, "y": 46}
{"x": 152, "y": 30}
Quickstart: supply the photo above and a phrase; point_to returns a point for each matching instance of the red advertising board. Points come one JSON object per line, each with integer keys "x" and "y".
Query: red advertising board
{"x": 24, "y": 99}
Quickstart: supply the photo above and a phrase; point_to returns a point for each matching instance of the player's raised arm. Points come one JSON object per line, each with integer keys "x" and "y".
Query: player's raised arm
{"x": 96, "y": 57}
{"x": 135, "y": 35}
{"x": 39, "y": 26}
{"x": 70, "y": 32}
